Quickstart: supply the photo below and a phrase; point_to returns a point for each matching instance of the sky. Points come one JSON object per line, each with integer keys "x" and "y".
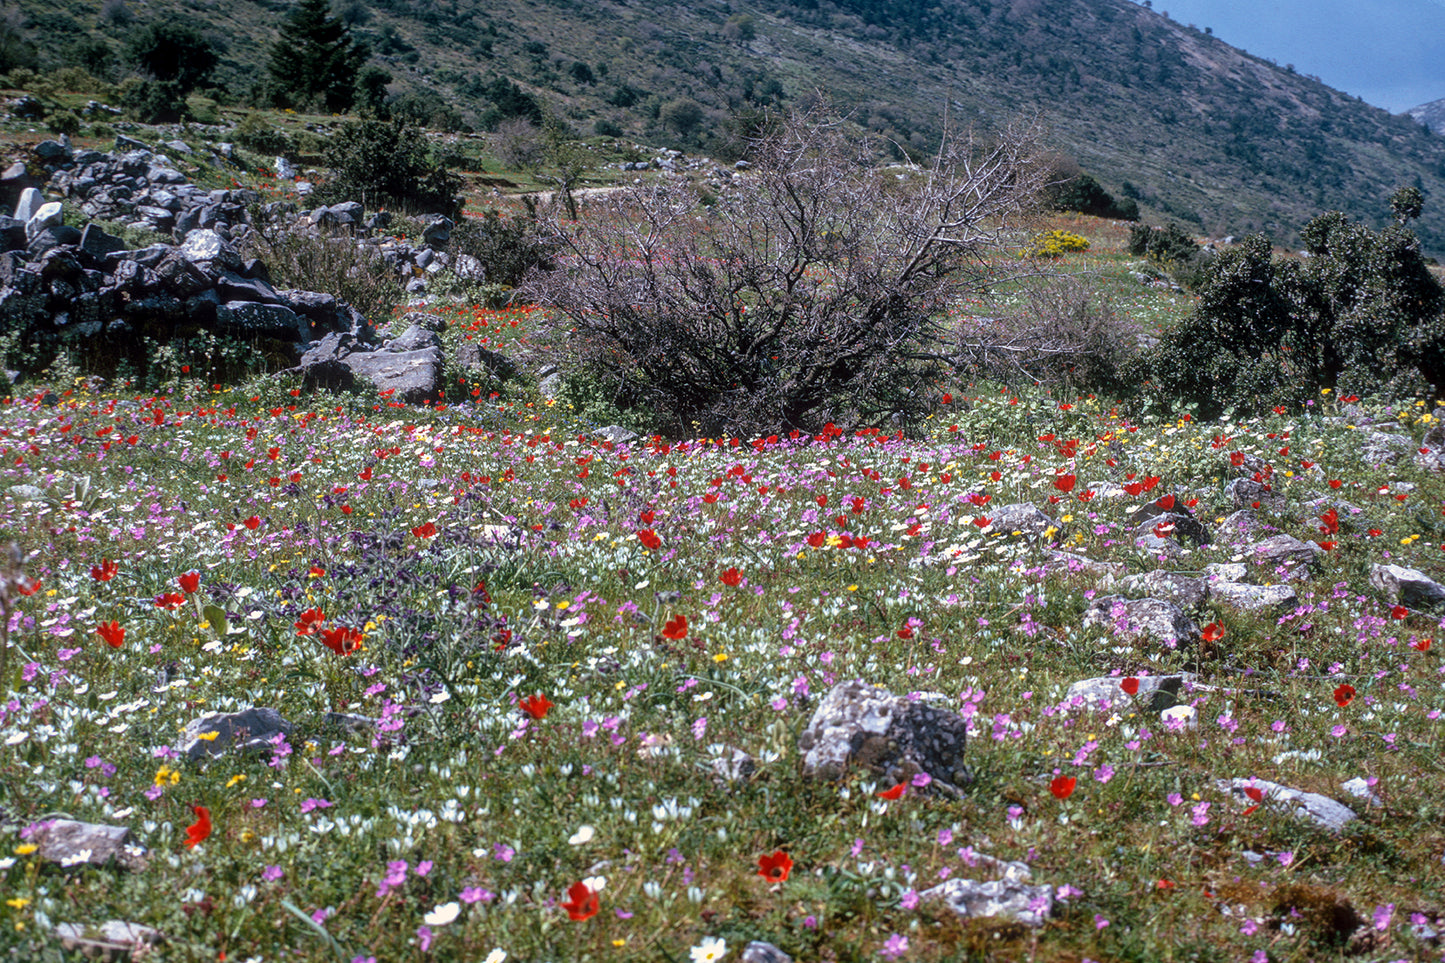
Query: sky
{"x": 1390, "y": 53}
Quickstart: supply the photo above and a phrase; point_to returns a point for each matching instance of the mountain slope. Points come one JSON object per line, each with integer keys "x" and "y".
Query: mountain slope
{"x": 1197, "y": 130}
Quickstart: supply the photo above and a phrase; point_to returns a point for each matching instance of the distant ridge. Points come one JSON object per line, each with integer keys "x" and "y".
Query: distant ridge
{"x": 1197, "y": 131}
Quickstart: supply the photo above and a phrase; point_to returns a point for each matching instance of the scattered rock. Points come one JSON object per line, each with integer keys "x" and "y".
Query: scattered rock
{"x": 1254, "y": 598}
{"x": 1320, "y": 810}
{"x": 112, "y": 941}
{"x": 249, "y": 731}
{"x": 70, "y": 842}
{"x": 616, "y": 434}
{"x": 1406, "y": 586}
{"x": 1030, "y": 905}
{"x": 760, "y": 952}
{"x": 1143, "y": 618}
{"x": 1384, "y": 448}
{"x": 1285, "y": 552}
{"x": 1226, "y": 572}
{"x": 1359, "y": 787}
{"x": 1157, "y": 692}
{"x": 893, "y": 737}
{"x": 1241, "y": 527}
{"x": 1246, "y": 493}
{"x": 1182, "y": 590}
{"x": 1024, "y": 518}
{"x": 1180, "y": 717}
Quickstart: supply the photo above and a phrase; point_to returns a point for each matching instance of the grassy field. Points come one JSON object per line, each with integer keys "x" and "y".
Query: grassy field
{"x": 556, "y": 638}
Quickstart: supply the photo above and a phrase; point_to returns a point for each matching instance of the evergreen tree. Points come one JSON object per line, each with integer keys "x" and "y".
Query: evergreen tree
{"x": 315, "y": 60}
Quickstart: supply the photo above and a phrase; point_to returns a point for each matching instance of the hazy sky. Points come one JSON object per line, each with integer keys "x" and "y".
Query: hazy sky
{"x": 1391, "y": 53}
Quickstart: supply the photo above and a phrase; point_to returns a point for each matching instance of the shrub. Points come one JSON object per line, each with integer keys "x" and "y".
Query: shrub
{"x": 1063, "y": 333}
{"x": 331, "y": 264}
{"x": 1361, "y": 314}
{"x": 508, "y": 248}
{"x": 813, "y": 291}
{"x": 1056, "y": 243}
{"x": 388, "y": 163}
{"x": 1082, "y": 193}
{"x": 256, "y": 134}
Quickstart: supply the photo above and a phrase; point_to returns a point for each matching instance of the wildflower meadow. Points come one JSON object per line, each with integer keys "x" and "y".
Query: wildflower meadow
{"x": 544, "y": 690}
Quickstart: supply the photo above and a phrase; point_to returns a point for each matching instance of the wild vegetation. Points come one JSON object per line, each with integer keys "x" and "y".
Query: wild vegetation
{"x": 521, "y": 654}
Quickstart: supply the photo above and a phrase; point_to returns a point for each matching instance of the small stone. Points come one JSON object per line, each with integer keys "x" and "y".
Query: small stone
{"x": 1406, "y": 586}
{"x": 113, "y": 940}
{"x": 760, "y": 952}
{"x": 735, "y": 765}
{"x": 1360, "y": 789}
{"x": 1029, "y": 905}
{"x": 1254, "y": 598}
{"x": 1321, "y": 810}
{"x": 1182, "y": 717}
{"x": 70, "y": 842}
{"x": 252, "y": 730}
{"x": 1157, "y": 692}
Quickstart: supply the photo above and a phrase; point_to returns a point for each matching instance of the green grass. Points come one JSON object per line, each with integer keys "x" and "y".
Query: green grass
{"x": 485, "y": 806}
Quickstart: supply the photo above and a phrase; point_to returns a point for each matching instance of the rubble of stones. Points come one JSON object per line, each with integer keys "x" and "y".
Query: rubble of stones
{"x": 84, "y": 291}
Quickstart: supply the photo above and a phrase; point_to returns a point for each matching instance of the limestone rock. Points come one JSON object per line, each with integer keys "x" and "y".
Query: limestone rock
{"x": 251, "y": 730}
{"x": 893, "y": 737}
{"x": 1029, "y": 905}
{"x": 760, "y": 952}
{"x": 1254, "y": 598}
{"x": 1025, "y": 518}
{"x": 1246, "y": 493}
{"x": 112, "y": 941}
{"x": 1182, "y": 590}
{"x": 1406, "y": 586}
{"x": 1157, "y": 692}
{"x": 1321, "y": 810}
{"x": 1143, "y": 618}
{"x": 1287, "y": 552}
{"x": 1241, "y": 527}
{"x": 70, "y": 842}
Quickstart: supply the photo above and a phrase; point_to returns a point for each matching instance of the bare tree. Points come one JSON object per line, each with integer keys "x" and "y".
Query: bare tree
{"x": 814, "y": 289}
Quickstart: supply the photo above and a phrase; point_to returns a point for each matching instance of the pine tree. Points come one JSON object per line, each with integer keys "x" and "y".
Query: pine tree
{"x": 315, "y": 61}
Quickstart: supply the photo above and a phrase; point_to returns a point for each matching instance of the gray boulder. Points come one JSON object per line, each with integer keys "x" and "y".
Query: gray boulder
{"x": 893, "y": 737}
{"x": 70, "y": 842}
{"x": 1406, "y": 586}
{"x": 1183, "y": 591}
{"x": 760, "y": 952}
{"x": 1285, "y": 552}
{"x": 30, "y": 201}
{"x": 1156, "y": 692}
{"x": 1024, "y": 518}
{"x": 412, "y": 376}
{"x": 251, "y": 730}
{"x": 1312, "y": 807}
{"x": 1246, "y": 493}
{"x": 113, "y": 940}
{"x": 1029, "y": 905}
{"x": 1254, "y": 598}
{"x": 249, "y": 318}
{"x": 1143, "y": 618}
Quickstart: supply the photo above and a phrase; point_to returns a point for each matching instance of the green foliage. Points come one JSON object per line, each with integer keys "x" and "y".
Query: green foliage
{"x": 153, "y": 101}
{"x": 1361, "y": 314}
{"x": 388, "y": 163}
{"x": 315, "y": 60}
{"x": 1407, "y": 204}
{"x": 1084, "y": 194}
{"x": 333, "y": 265}
{"x": 173, "y": 53}
{"x": 255, "y": 133}
{"x": 508, "y": 248}
{"x": 509, "y": 101}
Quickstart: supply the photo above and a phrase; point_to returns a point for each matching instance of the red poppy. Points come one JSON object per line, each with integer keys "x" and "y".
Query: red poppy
{"x": 1164, "y": 885}
{"x": 310, "y": 621}
{"x": 105, "y": 571}
{"x": 316, "y": 571}
{"x": 1065, "y": 483}
{"x": 189, "y": 582}
{"x": 1423, "y": 645}
{"x": 199, "y": 829}
{"x": 1166, "y": 502}
{"x": 1328, "y": 546}
{"x": 1213, "y": 632}
{"x": 822, "y": 501}
{"x": 1130, "y": 686}
{"x": 341, "y": 640}
{"x": 895, "y": 793}
{"x": 27, "y": 586}
{"x": 982, "y": 522}
{"x": 731, "y": 578}
{"x": 816, "y": 539}
{"x": 1399, "y": 612}
{"x": 170, "y": 601}
{"x": 1335, "y": 483}
{"x": 113, "y": 634}
{"x": 675, "y": 629}
{"x": 1344, "y": 695}
{"x": 582, "y": 902}
{"x": 1329, "y": 522}
{"x": 252, "y": 523}
{"x": 1236, "y": 458}
{"x": 1063, "y": 786}
{"x": 775, "y": 868}
{"x": 536, "y": 706}
{"x": 1134, "y": 488}
{"x": 425, "y": 531}
{"x": 649, "y": 539}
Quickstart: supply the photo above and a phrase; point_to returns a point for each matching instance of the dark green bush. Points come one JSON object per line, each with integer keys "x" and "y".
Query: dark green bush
{"x": 1361, "y": 314}
{"x": 333, "y": 265}
{"x": 507, "y": 247}
{"x": 1087, "y": 196}
{"x": 388, "y": 164}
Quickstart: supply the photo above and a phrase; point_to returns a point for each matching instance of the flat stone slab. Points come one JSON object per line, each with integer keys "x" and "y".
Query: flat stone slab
{"x": 1029, "y": 905}
{"x": 1312, "y": 807}
{"x": 71, "y": 842}
{"x": 113, "y": 940}
{"x": 1156, "y": 692}
{"x": 1143, "y": 618}
{"x": 249, "y": 731}
{"x": 1254, "y": 598}
{"x": 1406, "y": 586}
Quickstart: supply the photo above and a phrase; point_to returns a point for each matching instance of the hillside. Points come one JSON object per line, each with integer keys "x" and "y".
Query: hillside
{"x": 1432, "y": 115}
{"x": 1196, "y": 130}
